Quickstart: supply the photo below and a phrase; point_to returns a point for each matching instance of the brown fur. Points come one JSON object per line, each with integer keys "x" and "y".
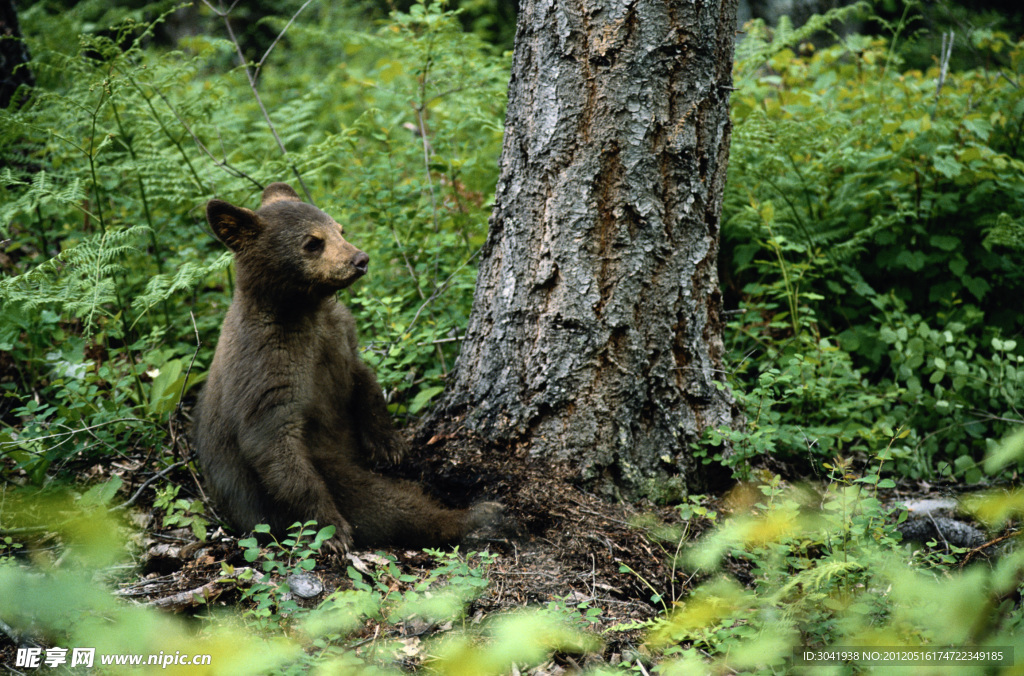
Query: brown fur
{"x": 290, "y": 415}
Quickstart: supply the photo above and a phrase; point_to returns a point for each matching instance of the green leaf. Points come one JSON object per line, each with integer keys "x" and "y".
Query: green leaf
{"x": 947, "y": 166}
{"x": 912, "y": 260}
{"x": 1009, "y": 451}
{"x": 102, "y": 494}
{"x": 325, "y": 533}
{"x": 944, "y": 242}
{"x": 977, "y": 286}
{"x": 423, "y": 397}
{"x": 165, "y": 388}
{"x": 963, "y": 463}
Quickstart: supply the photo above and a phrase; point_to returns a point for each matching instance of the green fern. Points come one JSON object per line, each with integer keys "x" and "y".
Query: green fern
{"x": 1007, "y": 232}
{"x": 815, "y": 579}
{"x": 41, "y": 191}
{"x": 761, "y": 43}
{"x": 81, "y": 281}
{"x": 163, "y": 287}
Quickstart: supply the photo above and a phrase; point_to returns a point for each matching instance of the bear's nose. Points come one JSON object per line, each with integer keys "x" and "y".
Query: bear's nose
{"x": 360, "y": 261}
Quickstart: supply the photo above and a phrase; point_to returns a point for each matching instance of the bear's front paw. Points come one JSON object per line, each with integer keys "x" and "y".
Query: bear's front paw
{"x": 334, "y": 547}
{"x": 390, "y": 449}
{"x": 341, "y": 543}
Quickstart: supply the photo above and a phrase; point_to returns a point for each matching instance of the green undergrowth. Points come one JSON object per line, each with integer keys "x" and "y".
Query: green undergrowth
{"x": 871, "y": 243}
{"x": 871, "y": 239}
{"x": 826, "y": 568}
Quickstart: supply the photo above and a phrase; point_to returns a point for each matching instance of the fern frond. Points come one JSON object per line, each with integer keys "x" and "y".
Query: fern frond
{"x": 1007, "y": 232}
{"x": 189, "y": 275}
{"x": 79, "y": 281}
{"x": 752, "y": 52}
{"x": 813, "y": 579}
{"x": 41, "y": 191}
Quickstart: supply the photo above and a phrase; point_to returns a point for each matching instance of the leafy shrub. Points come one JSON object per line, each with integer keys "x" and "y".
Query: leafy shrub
{"x": 294, "y": 554}
{"x": 181, "y": 512}
{"x": 871, "y": 220}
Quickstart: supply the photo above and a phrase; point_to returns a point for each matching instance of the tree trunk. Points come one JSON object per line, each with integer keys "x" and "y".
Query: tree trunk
{"x": 14, "y": 55}
{"x": 595, "y": 335}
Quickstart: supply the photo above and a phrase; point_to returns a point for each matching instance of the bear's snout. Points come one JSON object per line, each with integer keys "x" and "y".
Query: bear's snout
{"x": 360, "y": 261}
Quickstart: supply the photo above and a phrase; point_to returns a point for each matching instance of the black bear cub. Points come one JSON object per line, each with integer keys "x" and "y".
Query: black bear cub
{"x": 290, "y": 415}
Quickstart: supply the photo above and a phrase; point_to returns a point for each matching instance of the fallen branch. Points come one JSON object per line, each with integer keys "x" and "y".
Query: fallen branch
{"x": 200, "y": 595}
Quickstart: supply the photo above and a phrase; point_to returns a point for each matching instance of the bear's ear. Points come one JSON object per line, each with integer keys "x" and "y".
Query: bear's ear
{"x": 278, "y": 192}
{"x": 235, "y": 226}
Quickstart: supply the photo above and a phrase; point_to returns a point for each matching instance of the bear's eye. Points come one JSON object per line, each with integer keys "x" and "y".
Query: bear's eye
{"x": 313, "y": 245}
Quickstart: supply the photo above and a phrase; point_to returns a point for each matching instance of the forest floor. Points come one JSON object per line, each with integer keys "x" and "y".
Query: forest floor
{"x": 556, "y": 544}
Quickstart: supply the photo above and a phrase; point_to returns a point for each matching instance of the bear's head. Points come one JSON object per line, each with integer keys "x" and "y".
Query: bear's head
{"x": 288, "y": 244}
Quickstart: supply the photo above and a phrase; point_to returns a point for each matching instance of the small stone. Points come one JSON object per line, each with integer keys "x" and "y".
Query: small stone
{"x": 305, "y": 586}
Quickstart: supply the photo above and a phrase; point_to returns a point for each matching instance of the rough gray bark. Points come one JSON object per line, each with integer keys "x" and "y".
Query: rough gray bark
{"x": 595, "y": 336}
